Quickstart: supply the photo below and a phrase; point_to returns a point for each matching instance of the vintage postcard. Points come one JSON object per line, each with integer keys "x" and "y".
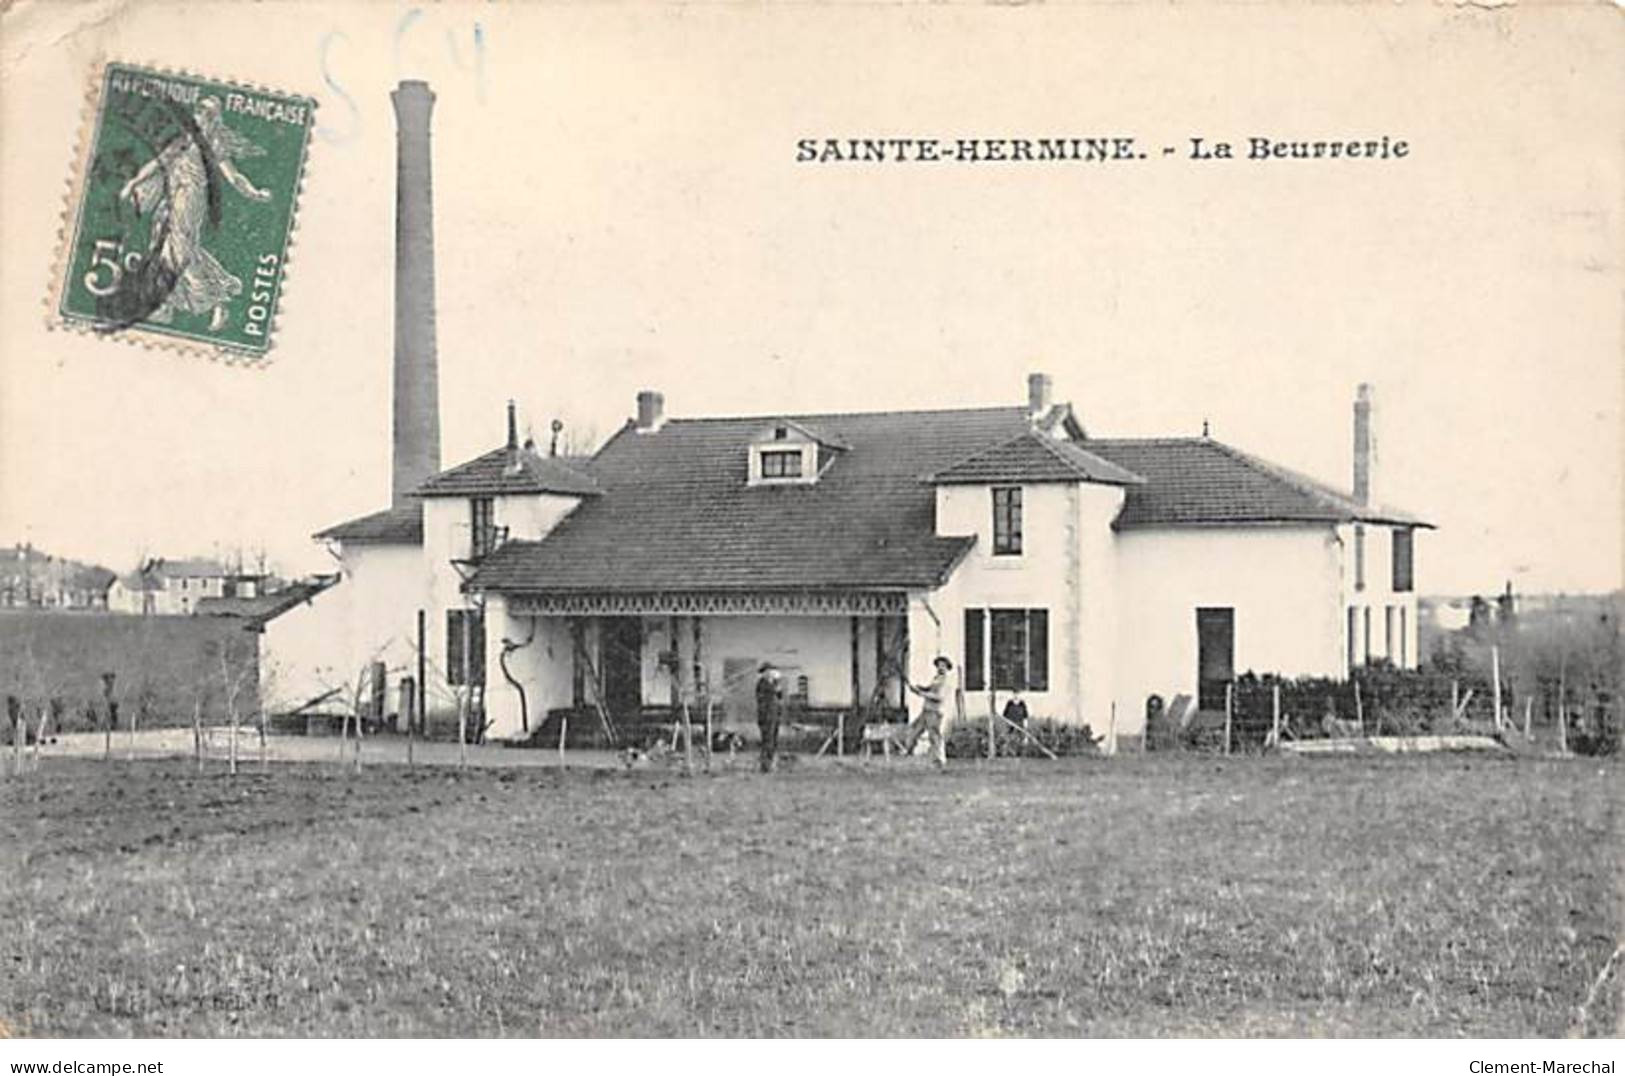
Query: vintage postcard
{"x": 864, "y": 521}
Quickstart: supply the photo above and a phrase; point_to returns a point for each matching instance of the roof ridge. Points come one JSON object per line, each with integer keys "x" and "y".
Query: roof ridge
{"x": 810, "y": 416}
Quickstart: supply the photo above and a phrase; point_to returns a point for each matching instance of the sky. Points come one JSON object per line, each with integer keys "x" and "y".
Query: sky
{"x": 618, "y": 207}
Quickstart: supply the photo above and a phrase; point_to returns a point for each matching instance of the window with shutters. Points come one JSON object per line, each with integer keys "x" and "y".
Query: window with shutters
{"x": 1006, "y": 649}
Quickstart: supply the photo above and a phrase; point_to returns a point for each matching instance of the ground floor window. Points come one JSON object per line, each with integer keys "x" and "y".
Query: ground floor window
{"x": 1007, "y": 649}
{"x": 465, "y": 647}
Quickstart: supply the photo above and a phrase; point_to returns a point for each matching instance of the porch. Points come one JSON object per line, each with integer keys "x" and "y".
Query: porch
{"x": 616, "y": 669}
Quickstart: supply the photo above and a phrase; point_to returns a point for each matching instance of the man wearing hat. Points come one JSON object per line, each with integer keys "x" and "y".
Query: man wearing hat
{"x": 769, "y": 706}
{"x": 929, "y": 719}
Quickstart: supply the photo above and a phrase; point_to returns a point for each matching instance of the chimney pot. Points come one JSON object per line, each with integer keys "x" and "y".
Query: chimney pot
{"x": 651, "y": 410}
{"x": 1363, "y": 448}
{"x": 1039, "y": 391}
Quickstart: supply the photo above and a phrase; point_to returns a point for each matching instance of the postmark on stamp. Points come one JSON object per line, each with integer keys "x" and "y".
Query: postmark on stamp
{"x": 184, "y": 210}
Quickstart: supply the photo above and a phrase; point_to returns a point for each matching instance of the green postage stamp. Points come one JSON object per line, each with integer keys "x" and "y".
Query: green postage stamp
{"x": 184, "y": 210}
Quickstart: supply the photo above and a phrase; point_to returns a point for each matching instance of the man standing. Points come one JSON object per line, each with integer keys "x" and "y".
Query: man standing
{"x": 769, "y": 706}
{"x": 929, "y": 720}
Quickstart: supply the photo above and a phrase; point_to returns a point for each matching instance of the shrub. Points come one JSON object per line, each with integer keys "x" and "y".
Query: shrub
{"x": 968, "y": 739}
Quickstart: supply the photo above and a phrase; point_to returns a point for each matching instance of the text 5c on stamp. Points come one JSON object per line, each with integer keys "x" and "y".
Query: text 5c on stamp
{"x": 185, "y": 209}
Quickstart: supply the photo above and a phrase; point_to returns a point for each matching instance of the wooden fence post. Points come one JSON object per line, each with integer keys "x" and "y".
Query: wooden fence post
{"x": 1495, "y": 672}
{"x": 1229, "y": 711}
{"x": 1359, "y": 707}
{"x": 1275, "y": 716}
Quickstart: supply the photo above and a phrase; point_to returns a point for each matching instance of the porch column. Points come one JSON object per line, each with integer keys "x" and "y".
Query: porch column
{"x": 676, "y": 670}
{"x": 857, "y": 680}
{"x": 699, "y": 659}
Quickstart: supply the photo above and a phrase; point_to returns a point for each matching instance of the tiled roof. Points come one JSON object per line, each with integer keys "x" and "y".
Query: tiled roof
{"x": 1198, "y": 480}
{"x": 678, "y": 513}
{"x": 509, "y": 470}
{"x": 1031, "y": 456}
{"x": 265, "y": 607}
{"x": 400, "y": 525}
{"x": 190, "y": 567}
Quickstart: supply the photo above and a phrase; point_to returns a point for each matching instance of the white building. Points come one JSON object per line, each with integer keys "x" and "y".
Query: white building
{"x": 1085, "y": 573}
{"x": 174, "y": 587}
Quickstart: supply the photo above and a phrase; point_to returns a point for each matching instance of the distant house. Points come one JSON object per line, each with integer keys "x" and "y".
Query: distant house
{"x": 1086, "y": 573}
{"x": 33, "y": 578}
{"x": 175, "y": 587}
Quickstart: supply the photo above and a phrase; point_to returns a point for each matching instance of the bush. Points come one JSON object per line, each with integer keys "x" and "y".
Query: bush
{"x": 968, "y": 739}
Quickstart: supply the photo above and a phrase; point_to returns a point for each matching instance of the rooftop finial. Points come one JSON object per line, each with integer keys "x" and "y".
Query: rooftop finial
{"x": 553, "y": 445}
{"x": 1204, "y": 428}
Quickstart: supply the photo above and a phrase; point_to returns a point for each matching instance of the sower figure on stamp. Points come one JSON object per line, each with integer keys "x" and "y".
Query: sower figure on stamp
{"x": 769, "y": 709}
{"x": 174, "y": 187}
{"x": 930, "y": 718}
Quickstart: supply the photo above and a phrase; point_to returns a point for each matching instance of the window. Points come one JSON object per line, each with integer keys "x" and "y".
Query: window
{"x": 1366, "y": 638}
{"x": 1404, "y": 647}
{"x": 465, "y": 647}
{"x": 1020, "y": 649}
{"x": 1006, "y": 521}
{"x": 975, "y": 657}
{"x": 778, "y": 463}
{"x": 1359, "y": 557}
{"x": 1389, "y": 635}
{"x": 482, "y": 526}
{"x": 1404, "y": 559}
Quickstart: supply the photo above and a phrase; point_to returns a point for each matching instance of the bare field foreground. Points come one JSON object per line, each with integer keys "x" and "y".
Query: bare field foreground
{"x": 1153, "y": 896}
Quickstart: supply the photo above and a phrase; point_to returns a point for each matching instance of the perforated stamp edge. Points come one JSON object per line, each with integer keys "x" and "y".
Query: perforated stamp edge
{"x": 68, "y": 219}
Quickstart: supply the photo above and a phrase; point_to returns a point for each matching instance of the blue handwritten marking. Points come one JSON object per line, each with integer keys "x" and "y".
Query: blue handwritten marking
{"x": 323, "y": 131}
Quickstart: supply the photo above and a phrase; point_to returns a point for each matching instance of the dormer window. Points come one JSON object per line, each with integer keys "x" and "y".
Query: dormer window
{"x": 781, "y": 464}
{"x": 790, "y": 453}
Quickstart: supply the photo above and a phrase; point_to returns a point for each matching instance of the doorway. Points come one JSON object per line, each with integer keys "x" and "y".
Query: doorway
{"x": 621, "y": 639}
{"x": 1215, "y": 656}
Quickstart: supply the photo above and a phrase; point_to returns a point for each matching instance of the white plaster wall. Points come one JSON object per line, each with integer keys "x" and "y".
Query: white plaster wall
{"x": 369, "y": 615}
{"x": 1067, "y": 566}
{"x": 300, "y": 656}
{"x": 543, "y": 661}
{"x": 1378, "y": 596}
{"x": 1284, "y": 583}
{"x": 530, "y": 517}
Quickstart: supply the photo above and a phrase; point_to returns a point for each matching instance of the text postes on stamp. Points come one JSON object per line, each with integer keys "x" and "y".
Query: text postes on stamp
{"x": 185, "y": 208}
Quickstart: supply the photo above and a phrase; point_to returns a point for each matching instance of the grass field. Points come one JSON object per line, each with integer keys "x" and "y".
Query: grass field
{"x": 1415, "y": 896}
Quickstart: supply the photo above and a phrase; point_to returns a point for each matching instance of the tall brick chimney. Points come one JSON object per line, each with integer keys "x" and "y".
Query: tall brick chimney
{"x": 1364, "y": 450}
{"x": 417, "y": 376}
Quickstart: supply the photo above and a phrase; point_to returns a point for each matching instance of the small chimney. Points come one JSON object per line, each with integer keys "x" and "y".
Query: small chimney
{"x": 1364, "y": 451}
{"x": 651, "y": 411}
{"x": 513, "y": 427}
{"x": 1039, "y": 392}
